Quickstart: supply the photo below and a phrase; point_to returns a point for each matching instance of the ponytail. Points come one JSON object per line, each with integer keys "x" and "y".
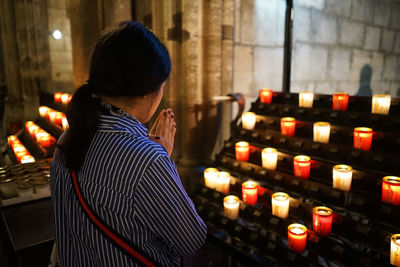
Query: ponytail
{"x": 83, "y": 119}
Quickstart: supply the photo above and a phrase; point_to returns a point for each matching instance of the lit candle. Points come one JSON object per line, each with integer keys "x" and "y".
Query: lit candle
{"x": 395, "y": 250}
{"x": 297, "y": 237}
{"x": 322, "y": 220}
{"x": 280, "y": 205}
{"x": 250, "y": 192}
{"x": 342, "y": 176}
{"x": 363, "y": 138}
{"x": 231, "y": 207}
{"x": 57, "y": 97}
{"x": 65, "y": 99}
{"x": 58, "y": 118}
{"x": 266, "y": 96}
{"x": 32, "y": 129}
{"x": 242, "y": 151}
{"x": 248, "y": 120}
{"x": 64, "y": 122}
{"x": 69, "y": 98}
{"x": 269, "y": 157}
{"x": 340, "y": 101}
{"x": 288, "y": 126}
{"x": 28, "y": 124}
{"x": 44, "y": 139}
{"x": 223, "y": 181}
{"x": 302, "y": 166}
{"x": 381, "y": 104}
{"x": 20, "y": 154}
{"x": 306, "y": 99}
{"x": 43, "y": 111}
{"x": 52, "y": 116}
{"x": 210, "y": 177}
{"x": 322, "y": 131}
{"x": 27, "y": 159}
{"x": 391, "y": 190}
{"x": 12, "y": 139}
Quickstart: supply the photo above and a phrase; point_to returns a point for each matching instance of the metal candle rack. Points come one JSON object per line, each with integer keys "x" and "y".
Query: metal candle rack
{"x": 362, "y": 224}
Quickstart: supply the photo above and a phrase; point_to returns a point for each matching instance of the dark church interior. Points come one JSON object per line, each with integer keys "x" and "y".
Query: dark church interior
{"x": 287, "y": 114}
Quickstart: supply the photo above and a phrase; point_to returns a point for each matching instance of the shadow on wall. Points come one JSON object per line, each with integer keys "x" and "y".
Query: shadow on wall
{"x": 365, "y": 81}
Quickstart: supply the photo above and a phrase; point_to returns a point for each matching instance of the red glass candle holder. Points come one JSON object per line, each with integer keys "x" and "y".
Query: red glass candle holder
{"x": 266, "y": 96}
{"x": 250, "y": 192}
{"x": 391, "y": 190}
{"x": 302, "y": 166}
{"x": 57, "y": 97}
{"x": 242, "y": 151}
{"x": 288, "y": 126}
{"x": 58, "y": 118}
{"x": 340, "y": 101}
{"x": 297, "y": 237}
{"x": 363, "y": 138}
{"x": 322, "y": 220}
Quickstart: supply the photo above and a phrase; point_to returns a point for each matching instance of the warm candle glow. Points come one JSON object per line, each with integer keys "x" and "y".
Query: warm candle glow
{"x": 12, "y": 139}
{"x": 65, "y": 99}
{"x": 269, "y": 157}
{"x": 342, "y": 176}
{"x": 52, "y": 116}
{"x": 44, "y": 139}
{"x": 231, "y": 207}
{"x": 395, "y": 250}
{"x": 280, "y": 205}
{"x": 288, "y": 126}
{"x": 64, "y": 123}
{"x": 302, "y": 166}
{"x": 58, "y": 118}
{"x": 306, "y": 99}
{"x": 297, "y": 237}
{"x": 248, "y": 120}
{"x": 380, "y": 104}
{"x": 322, "y": 131}
{"x": 250, "y": 192}
{"x": 43, "y": 111}
{"x": 210, "y": 177}
{"x": 391, "y": 190}
{"x": 223, "y": 182}
{"x": 242, "y": 151}
{"x": 57, "y": 97}
{"x": 363, "y": 138}
{"x": 27, "y": 159}
{"x": 340, "y": 101}
{"x": 266, "y": 96}
{"x": 322, "y": 220}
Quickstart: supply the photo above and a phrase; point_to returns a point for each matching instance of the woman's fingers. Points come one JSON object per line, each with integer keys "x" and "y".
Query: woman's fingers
{"x": 154, "y": 130}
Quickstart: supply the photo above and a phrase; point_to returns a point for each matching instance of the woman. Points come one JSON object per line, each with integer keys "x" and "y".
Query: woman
{"x": 125, "y": 174}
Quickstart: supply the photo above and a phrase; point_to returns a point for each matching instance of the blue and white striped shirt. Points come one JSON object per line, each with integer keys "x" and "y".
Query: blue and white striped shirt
{"x": 132, "y": 184}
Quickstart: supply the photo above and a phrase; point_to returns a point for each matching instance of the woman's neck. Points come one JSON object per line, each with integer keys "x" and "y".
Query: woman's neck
{"x": 135, "y": 106}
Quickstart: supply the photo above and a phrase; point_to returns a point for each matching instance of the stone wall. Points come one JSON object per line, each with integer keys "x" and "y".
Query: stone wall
{"x": 333, "y": 41}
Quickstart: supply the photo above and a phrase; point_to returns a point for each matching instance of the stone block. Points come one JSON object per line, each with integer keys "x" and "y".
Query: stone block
{"x": 382, "y": 13}
{"x": 377, "y": 66}
{"x": 391, "y": 68}
{"x": 61, "y": 56}
{"x": 326, "y": 88}
{"x": 247, "y": 22}
{"x": 60, "y": 4}
{"x": 388, "y": 40}
{"x": 237, "y": 21}
{"x": 361, "y": 60}
{"x": 268, "y": 68}
{"x": 317, "y": 4}
{"x": 380, "y": 87}
{"x": 299, "y": 86}
{"x": 397, "y": 44}
{"x": 323, "y": 28}
{"x": 352, "y": 33}
{"x": 340, "y": 64}
{"x": 395, "y": 89}
{"x": 269, "y": 22}
{"x": 351, "y": 88}
{"x": 339, "y": 8}
{"x": 243, "y": 69}
{"x": 301, "y": 24}
{"x": 362, "y": 10}
{"x": 372, "y": 38}
{"x": 309, "y": 62}
{"x": 395, "y": 16}
{"x": 56, "y": 45}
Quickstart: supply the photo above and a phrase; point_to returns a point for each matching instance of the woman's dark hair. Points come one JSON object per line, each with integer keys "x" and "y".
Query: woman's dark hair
{"x": 128, "y": 61}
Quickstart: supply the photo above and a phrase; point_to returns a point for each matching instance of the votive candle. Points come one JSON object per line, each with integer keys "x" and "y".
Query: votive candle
{"x": 64, "y": 123}
{"x": 65, "y": 99}
{"x": 248, "y": 120}
{"x": 266, "y": 96}
{"x": 380, "y": 104}
{"x": 340, "y": 101}
{"x": 223, "y": 182}
{"x": 250, "y": 192}
{"x": 210, "y": 177}
{"x": 395, "y": 250}
{"x": 322, "y": 220}
{"x": 231, "y": 207}
{"x": 269, "y": 158}
{"x": 52, "y": 116}
{"x": 27, "y": 159}
{"x": 322, "y": 131}
{"x": 306, "y": 99}
{"x": 58, "y": 118}
{"x": 297, "y": 237}
{"x": 242, "y": 151}
{"x": 363, "y": 138}
{"x": 302, "y": 166}
{"x": 391, "y": 190}
{"x": 342, "y": 177}
{"x": 57, "y": 97}
{"x": 288, "y": 126}
{"x": 280, "y": 205}
{"x": 44, "y": 139}
{"x": 43, "y": 111}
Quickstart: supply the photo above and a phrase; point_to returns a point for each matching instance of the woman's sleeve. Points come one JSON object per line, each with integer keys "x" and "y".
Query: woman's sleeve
{"x": 165, "y": 208}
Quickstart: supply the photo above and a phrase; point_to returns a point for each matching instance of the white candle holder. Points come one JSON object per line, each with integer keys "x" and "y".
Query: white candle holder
{"x": 322, "y": 131}
{"x": 280, "y": 204}
{"x": 269, "y": 157}
{"x": 306, "y": 99}
{"x": 342, "y": 176}
{"x": 210, "y": 177}
{"x": 248, "y": 120}
{"x": 231, "y": 207}
{"x": 223, "y": 182}
{"x": 380, "y": 104}
{"x": 395, "y": 250}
